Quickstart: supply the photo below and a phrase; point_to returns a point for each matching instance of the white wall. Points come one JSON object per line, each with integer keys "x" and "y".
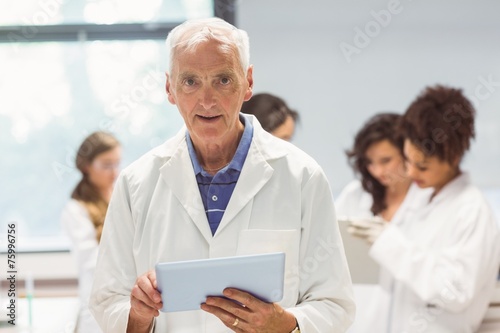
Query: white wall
{"x": 295, "y": 48}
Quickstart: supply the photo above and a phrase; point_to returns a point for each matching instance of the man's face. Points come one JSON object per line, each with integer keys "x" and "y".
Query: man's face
{"x": 208, "y": 86}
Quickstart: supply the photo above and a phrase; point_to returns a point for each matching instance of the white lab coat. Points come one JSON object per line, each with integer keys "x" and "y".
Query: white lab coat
{"x": 355, "y": 202}
{"x": 77, "y": 224}
{"x": 443, "y": 263}
{"x": 282, "y": 202}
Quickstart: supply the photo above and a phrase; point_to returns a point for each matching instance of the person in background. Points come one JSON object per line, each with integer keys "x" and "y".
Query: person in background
{"x": 377, "y": 157}
{"x": 383, "y": 193}
{"x": 273, "y": 114}
{"x": 98, "y": 160}
{"x": 221, "y": 187}
{"x": 443, "y": 259}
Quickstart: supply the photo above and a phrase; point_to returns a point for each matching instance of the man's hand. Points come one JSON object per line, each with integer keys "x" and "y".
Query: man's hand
{"x": 367, "y": 230}
{"x": 145, "y": 302}
{"x": 251, "y": 314}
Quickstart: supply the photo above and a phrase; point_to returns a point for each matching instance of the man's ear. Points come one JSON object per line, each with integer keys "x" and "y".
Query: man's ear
{"x": 168, "y": 88}
{"x": 248, "y": 93}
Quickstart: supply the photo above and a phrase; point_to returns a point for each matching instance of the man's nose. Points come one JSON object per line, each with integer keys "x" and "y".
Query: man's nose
{"x": 207, "y": 99}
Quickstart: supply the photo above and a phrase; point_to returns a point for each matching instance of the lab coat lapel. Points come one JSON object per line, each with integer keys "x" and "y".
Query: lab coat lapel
{"x": 179, "y": 176}
{"x": 255, "y": 174}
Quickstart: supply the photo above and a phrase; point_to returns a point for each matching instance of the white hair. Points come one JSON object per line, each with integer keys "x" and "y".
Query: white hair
{"x": 191, "y": 33}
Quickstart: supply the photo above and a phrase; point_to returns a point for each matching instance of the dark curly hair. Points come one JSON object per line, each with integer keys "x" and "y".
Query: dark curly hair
{"x": 271, "y": 111}
{"x": 382, "y": 126}
{"x": 440, "y": 122}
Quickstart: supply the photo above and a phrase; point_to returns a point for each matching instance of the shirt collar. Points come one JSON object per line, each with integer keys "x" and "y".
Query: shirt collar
{"x": 241, "y": 152}
{"x": 454, "y": 186}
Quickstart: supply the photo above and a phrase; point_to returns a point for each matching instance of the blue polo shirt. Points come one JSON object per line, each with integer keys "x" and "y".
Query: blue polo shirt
{"x": 217, "y": 190}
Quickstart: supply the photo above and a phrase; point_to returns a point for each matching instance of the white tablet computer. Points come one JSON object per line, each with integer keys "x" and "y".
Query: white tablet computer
{"x": 185, "y": 285}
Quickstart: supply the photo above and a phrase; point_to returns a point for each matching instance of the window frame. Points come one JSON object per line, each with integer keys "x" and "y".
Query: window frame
{"x": 224, "y": 9}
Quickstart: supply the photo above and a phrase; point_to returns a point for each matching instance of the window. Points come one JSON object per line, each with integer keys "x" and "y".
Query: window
{"x": 70, "y": 68}
{"x": 57, "y": 12}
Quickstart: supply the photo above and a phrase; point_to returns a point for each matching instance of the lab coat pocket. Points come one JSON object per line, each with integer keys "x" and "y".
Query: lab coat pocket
{"x": 256, "y": 241}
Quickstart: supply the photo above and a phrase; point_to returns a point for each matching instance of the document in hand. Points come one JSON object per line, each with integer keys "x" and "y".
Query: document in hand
{"x": 184, "y": 285}
{"x": 364, "y": 270}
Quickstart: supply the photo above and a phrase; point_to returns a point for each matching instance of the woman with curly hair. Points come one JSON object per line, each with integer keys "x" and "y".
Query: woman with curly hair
{"x": 443, "y": 260}
{"x": 377, "y": 157}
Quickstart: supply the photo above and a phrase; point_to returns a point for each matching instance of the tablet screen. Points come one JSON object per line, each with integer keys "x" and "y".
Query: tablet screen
{"x": 185, "y": 285}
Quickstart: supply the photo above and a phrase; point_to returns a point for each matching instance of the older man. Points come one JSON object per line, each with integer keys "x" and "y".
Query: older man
{"x": 221, "y": 187}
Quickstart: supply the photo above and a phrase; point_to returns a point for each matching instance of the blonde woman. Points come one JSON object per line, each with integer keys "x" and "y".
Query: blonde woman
{"x": 98, "y": 160}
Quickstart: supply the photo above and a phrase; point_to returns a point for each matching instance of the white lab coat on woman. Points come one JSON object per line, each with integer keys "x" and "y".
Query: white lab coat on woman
{"x": 355, "y": 202}
{"x": 443, "y": 263}
{"x": 282, "y": 202}
{"x": 77, "y": 224}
